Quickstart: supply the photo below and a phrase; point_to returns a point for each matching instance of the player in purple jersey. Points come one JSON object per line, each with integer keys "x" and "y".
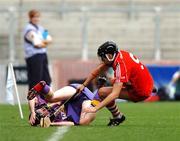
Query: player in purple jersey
{"x": 74, "y": 109}
{"x": 42, "y": 108}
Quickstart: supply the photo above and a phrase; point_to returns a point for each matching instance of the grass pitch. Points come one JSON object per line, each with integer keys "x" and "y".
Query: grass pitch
{"x": 144, "y": 122}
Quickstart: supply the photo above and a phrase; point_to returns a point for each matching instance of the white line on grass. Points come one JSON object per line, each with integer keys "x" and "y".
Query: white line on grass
{"x": 58, "y": 135}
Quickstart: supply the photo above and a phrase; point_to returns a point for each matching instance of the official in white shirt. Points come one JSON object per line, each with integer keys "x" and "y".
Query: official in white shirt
{"x": 36, "y": 41}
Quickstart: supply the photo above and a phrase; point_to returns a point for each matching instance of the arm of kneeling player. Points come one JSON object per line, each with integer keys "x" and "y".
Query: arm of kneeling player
{"x": 112, "y": 96}
{"x": 94, "y": 73}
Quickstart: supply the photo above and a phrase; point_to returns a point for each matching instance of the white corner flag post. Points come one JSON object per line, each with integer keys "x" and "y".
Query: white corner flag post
{"x": 10, "y": 67}
{"x": 9, "y": 87}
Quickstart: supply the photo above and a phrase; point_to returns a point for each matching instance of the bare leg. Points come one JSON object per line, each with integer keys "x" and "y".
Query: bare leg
{"x": 105, "y": 91}
{"x": 42, "y": 88}
{"x": 86, "y": 118}
{"x": 61, "y": 94}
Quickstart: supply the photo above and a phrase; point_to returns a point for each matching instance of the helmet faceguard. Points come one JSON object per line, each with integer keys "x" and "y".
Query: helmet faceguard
{"x": 110, "y": 58}
{"x": 107, "y": 51}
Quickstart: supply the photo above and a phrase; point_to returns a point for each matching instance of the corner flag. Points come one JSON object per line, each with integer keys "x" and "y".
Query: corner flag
{"x": 9, "y": 87}
{"x": 11, "y": 81}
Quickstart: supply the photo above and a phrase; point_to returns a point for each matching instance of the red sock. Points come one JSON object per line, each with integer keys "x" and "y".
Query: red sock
{"x": 39, "y": 86}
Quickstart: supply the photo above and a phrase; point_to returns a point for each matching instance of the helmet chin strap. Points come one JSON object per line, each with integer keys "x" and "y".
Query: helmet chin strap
{"x": 109, "y": 58}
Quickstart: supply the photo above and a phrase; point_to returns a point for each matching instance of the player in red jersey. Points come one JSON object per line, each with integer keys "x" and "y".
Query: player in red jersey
{"x": 132, "y": 80}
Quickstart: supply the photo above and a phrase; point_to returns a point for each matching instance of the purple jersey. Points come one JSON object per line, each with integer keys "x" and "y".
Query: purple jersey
{"x": 41, "y": 102}
{"x": 96, "y": 95}
{"x": 61, "y": 116}
{"x": 73, "y": 108}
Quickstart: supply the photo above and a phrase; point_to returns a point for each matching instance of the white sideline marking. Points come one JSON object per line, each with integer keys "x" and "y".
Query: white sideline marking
{"x": 58, "y": 135}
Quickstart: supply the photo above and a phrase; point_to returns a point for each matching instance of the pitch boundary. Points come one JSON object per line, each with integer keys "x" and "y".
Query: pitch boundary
{"x": 59, "y": 134}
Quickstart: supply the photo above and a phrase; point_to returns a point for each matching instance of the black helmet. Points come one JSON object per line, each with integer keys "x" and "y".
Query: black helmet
{"x": 108, "y": 47}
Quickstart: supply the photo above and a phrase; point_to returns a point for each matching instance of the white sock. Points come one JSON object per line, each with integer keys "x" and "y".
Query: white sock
{"x": 118, "y": 116}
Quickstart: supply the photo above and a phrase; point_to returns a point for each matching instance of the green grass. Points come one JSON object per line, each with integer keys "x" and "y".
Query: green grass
{"x": 145, "y": 122}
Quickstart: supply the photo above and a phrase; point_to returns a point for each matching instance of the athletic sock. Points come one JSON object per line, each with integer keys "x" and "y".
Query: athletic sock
{"x": 113, "y": 108}
{"x": 42, "y": 88}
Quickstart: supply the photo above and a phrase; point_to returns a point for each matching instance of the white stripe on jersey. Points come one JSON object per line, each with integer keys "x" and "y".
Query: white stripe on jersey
{"x": 125, "y": 70}
{"x": 118, "y": 73}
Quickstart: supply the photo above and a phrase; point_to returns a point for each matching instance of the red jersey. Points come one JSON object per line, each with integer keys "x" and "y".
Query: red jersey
{"x": 128, "y": 68}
